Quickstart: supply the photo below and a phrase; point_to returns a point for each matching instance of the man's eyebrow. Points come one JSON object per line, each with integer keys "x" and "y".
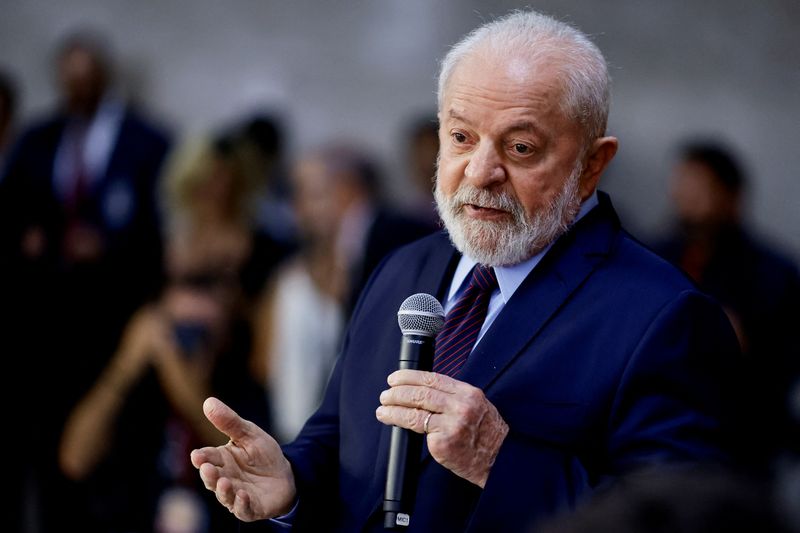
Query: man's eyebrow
{"x": 523, "y": 125}
{"x": 452, "y": 113}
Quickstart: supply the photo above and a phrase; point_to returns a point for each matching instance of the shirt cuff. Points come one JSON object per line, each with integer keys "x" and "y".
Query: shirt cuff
{"x": 285, "y": 522}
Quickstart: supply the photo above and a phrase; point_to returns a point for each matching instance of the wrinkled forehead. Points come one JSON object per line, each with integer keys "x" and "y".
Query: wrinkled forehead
{"x": 514, "y": 88}
{"x": 525, "y": 73}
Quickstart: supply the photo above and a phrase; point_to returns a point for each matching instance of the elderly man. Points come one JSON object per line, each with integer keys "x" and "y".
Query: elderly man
{"x": 591, "y": 355}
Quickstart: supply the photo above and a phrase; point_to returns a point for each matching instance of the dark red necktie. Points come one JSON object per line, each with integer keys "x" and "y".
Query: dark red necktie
{"x": 77, "y": 197}
{"x": 463, "y": 322}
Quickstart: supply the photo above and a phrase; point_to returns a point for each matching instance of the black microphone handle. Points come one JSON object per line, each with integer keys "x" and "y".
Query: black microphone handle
{"x": 405, "y": 447}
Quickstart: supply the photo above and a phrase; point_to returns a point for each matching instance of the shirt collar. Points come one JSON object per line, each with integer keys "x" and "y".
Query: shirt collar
{"x": 509, "y": 278}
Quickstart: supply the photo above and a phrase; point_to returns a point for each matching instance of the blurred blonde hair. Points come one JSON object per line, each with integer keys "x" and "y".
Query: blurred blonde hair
{"x": 192, "y": 164}
{"x": 188, "y": 165}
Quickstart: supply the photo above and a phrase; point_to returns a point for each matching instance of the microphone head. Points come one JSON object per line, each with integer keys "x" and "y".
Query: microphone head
{"x": 421, "y": 314}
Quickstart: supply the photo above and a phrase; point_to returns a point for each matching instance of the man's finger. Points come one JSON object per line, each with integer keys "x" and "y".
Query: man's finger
{"x": 404, "y": 417}
{"x": 225, "y": 419}
{"x": 206, "y": 455}
{"x": 426, "y": 379}
{"x": 210, "y": 475}
{"x": 225, "y": 493}
{"x": 241, "y": 506}
{"x": 420, "y": 397}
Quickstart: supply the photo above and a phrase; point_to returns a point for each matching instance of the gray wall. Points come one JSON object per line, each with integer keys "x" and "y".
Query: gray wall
{"x": 359, "y": 69}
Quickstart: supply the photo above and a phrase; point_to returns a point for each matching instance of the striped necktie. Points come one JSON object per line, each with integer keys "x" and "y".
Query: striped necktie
{"x": 463, "y": 322}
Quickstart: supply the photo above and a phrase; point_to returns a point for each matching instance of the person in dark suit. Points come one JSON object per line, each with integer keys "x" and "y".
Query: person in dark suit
{"x": 756, "y": 282}
{"x": 80, "y": 242}
{"x": 593, "y": 356}
{"x": 8, "y": 112}
{"x": 78, "y": 208}
{"x": 422, "y": 153}
{"x": 371, "y": 227}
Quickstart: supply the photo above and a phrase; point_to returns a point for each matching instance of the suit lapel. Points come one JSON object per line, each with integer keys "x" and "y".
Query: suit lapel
{"x": 437, "y": 271}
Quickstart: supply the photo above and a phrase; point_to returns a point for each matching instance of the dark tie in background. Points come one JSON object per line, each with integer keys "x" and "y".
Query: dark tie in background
{"x": 77, "y": 196}
{"x": 463, "y": 322}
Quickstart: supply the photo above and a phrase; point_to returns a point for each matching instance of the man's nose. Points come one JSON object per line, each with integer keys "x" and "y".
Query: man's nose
{"x": 485, "y": 167}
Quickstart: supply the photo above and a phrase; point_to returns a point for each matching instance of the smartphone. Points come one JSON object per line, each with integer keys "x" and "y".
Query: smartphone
{"x": 191, "y": 337}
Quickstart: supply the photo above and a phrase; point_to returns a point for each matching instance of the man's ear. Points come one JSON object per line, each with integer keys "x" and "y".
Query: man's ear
{"x": 597, "y": 159}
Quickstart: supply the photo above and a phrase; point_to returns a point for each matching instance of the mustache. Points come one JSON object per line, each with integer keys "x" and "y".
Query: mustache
{"x": 501, "y": 200}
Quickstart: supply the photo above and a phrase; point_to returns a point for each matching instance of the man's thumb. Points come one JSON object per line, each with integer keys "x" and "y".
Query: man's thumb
{"x": 225, "y": 419}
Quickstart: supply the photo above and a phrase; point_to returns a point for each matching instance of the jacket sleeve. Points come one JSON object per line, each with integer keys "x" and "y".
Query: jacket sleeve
{"x": 314, "y": 456}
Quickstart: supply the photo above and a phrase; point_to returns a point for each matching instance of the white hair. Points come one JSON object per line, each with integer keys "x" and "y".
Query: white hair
{"x": 535, "y": 36}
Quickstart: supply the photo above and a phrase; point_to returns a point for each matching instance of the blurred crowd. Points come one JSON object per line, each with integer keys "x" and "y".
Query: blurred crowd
{"x": 143, "y": 270}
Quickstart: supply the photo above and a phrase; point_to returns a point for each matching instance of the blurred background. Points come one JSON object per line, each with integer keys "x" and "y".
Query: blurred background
{"x": 185, "y": 185}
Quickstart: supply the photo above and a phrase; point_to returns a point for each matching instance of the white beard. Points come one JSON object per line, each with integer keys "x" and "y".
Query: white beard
{"x": 505, "y": 243}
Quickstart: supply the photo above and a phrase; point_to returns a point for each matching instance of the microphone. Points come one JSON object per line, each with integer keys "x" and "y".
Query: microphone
{"x": 420, "y": 317}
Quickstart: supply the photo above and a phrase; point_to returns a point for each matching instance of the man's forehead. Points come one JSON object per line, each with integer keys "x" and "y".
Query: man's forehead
{"x": 516, "y": 110}
{"x": 541, "y": 75}
{"x": 517, "y": 64}
{"x": 521, "y": 70}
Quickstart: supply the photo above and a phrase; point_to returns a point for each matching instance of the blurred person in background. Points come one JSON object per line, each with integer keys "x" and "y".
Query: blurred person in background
{"x": 193, "y": 340}
{"x": 757, "y": 284}
{"x": 678, "y": 500}
{"x": 263, "y": 133}
{"x": 212, "y": 194}
{"x": 79, "y": 190}
{"x": 80, "y": 245}
{"x": 8, "y": 112}
{"x": 422, "y": 137}
{"x": 371, "y": 226}
{"x": 21, "y": 469}
{"x": 344, "y": 232}
{"x": 302, "y": 311}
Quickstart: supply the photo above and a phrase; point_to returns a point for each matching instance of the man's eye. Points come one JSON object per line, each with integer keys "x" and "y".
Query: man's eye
{"x": 522, "y": 148}
{"x": 459, "y": 137}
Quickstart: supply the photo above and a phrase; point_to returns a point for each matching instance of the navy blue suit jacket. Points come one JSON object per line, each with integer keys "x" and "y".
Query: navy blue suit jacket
{"x": 606, "y": 358}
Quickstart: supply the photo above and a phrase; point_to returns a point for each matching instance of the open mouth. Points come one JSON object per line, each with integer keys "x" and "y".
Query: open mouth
{"x": 479, "y": 211}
